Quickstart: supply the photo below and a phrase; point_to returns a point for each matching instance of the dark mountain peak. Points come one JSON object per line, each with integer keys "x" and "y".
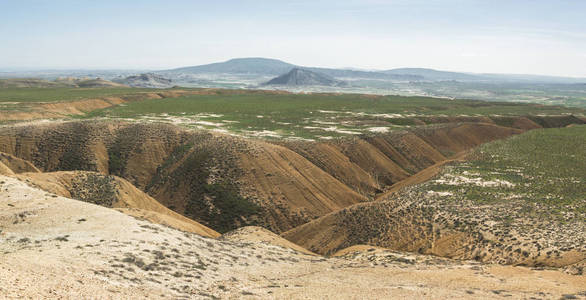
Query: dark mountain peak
{"x": 248, "y": 65}
{"x": 299, "y": 76}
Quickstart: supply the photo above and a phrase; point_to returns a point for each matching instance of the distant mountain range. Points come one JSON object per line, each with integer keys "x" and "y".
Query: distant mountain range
{"x": 434, "y": 75}
{"x": 259, "y": 66}
{"x": 301, "y": 77}
{"x": 256, "y": 70}
{"x": 266, "y": 73}
{"x": 274, "y": 67}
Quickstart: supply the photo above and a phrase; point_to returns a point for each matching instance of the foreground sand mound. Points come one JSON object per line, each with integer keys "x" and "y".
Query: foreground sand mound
{"x": 114, "y": 192}
{"x": 54, "y": 247}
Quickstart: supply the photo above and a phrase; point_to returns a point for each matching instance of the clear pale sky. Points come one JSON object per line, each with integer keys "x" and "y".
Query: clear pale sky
{"x": 498, "y": 36}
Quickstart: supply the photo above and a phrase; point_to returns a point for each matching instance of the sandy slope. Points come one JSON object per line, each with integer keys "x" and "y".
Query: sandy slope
{"x": 5, "y": 170}
{"x": 115, "y": 192}
{"x": 54, "y": 247}
{"x": 15, "y": 164}
{"x": 259, "y": 234}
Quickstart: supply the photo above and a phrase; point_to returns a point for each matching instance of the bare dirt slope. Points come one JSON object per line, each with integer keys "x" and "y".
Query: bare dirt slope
{"x": 54, "y": 247}
{"x": 288, "y": 180}
{"x": 4, "y": 170}
{"x": 420, "y": 176}
{"x": 17, "y": 165}
{"x": 370, "y": 164}
{"x": 225, "y": 182}
{"x": 114, "y": 192}
{"x": 222, "y": 181}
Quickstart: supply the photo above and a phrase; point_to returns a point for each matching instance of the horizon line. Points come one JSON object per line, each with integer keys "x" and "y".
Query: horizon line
{"x": 159, "y": 69}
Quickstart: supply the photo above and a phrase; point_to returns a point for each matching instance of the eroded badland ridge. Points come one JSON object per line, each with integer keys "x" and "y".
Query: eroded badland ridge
{"x": 438, "y": 209}
{"x": 284, "y": 184}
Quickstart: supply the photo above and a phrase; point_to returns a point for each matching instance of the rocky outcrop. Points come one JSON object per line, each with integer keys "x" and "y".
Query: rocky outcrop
{"x": 146, "y": 80}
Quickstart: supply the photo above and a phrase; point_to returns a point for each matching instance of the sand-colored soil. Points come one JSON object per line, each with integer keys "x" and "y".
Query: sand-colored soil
{"x": 114, "y": 192}
{"x": 17, "y": 165}
{"x": 259, "y": 234}
{"x": 54, "y": 247}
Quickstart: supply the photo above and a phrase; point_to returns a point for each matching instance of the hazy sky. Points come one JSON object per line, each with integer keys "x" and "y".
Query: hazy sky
{"x": 508, "y": 36}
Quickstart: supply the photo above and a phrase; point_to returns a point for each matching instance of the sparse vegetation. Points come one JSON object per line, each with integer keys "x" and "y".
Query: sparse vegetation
{"x": 543, "y": 167}
{"x": 216, "y": 204}
{"x": 62, "y": 94}
{"x": 115, "y": 163}
{"x": 523, "y": 194}
{"x": 314, "y": 116}
{"x": 232, "y": 209}
{"x": 94, "y": 188}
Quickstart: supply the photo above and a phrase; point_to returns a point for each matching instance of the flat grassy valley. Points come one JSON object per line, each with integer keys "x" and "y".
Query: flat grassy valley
{"x": 60, "y": 94}
{"x": 312, "y": 116}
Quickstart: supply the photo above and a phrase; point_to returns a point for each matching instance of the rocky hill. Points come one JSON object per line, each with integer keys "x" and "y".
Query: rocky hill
{"x": 146, "y": 80}
{"x": 301, "y": 77}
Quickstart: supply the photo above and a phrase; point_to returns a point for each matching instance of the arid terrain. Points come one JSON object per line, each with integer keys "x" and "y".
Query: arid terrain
{"x": 105, "y": 195}
{"x": 54, "y": 247}
{"x": 373, "y": 149}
